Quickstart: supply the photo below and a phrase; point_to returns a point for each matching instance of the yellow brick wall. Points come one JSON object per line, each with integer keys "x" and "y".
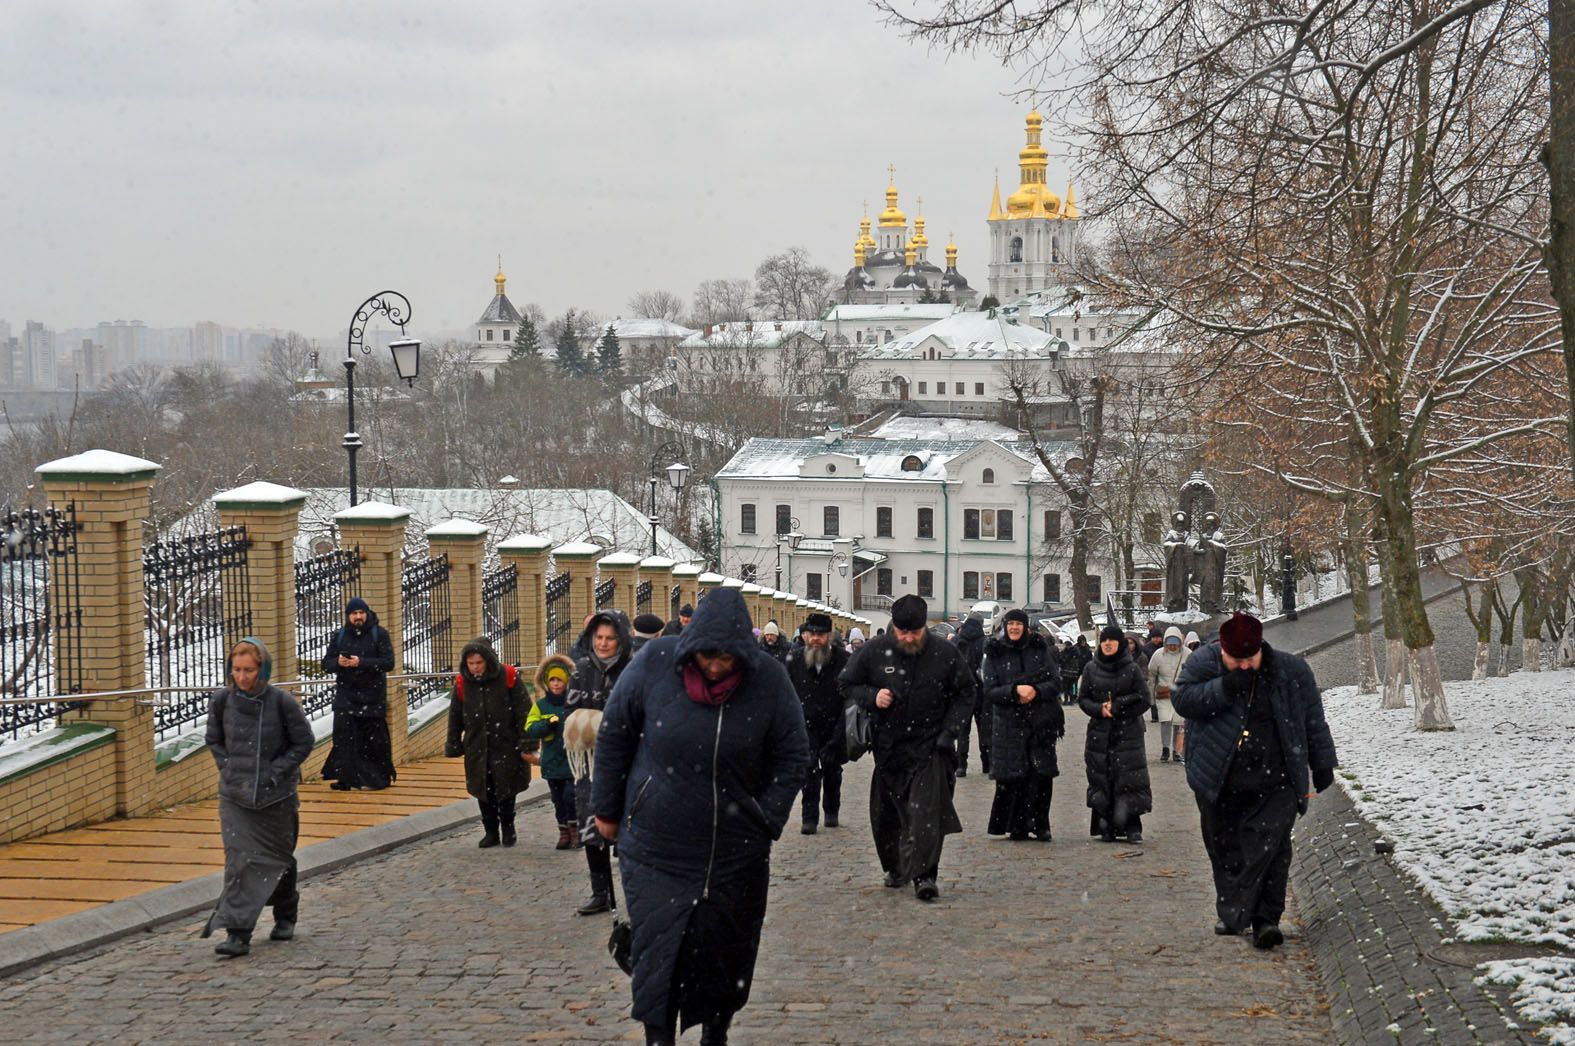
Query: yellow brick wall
{"x": 75, "y": 791}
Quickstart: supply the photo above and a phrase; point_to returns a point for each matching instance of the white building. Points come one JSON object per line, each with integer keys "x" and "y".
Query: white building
{"x": 954, "y": 521}
{"x": 495, "y": 330}
{"x": 875, "y": 324}
{"x": 782, "y": 357}
{"x": 1034, "y": 239}
{"x": 645, "y": 345}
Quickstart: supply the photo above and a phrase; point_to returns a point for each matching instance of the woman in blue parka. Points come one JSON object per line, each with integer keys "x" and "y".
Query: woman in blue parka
{"x": 701, "y": 753}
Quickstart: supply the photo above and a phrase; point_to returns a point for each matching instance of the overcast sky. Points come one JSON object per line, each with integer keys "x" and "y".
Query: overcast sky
{"x": 272, "y": 164}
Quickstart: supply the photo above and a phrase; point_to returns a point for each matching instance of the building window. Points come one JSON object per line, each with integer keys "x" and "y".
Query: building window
{"x": 978, "y": 388}
{"x": 1052, "y": 524}
{"x": 885, "y": 388}
{"x": 988, "y": 476}
{"x": 489, "y": 335}
{"x": 1052, "y": 588}
{"x": 922, "y": 387}
{"x": 883, "y": 521}
{"x": 979, "y": 524}
{"x": 883, "y": 582}
{"x": 926, "y": 523}
{"x": 1003, "y": 525}
{"x": 926, "y": 581}
{"x": 506, "y": 335}
{"x": 970, "y": 584}
{"x": 832, "y": 517}
{"x": 1074, "y": 333}
{"x": 784, "y": 519}
{"x": 746, "y": 519}
{"x": 747, "y": 572}
{"x": 1058, "y": 332}
{"x": 1093, "y": 332}
{"x": 912, "y": 463}
{"x": 1003, "y": 586}
{"x": 959, "y": 388}
{"x": 1096, "y": 588}
{"x": 812, "y": 589}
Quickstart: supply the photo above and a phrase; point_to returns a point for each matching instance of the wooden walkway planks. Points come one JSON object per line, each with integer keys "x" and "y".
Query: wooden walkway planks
{"x": 54, "y": 875}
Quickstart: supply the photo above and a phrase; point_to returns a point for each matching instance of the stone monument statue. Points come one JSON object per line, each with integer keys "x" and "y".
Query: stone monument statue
{"x": 1209, "y": 549}
{"x": 1195, "y": 556}
{"x": 1178, "y": 562}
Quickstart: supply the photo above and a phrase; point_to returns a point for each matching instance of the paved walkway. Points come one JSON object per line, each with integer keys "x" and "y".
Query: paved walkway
{"x": 1075, "y": 941}
{"x": 83, "y": 868}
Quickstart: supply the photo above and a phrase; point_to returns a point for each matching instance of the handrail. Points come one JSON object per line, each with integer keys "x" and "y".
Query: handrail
{"x": 98, "y": 695}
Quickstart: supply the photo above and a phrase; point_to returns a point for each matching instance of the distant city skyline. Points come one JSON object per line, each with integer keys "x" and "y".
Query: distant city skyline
{"x": 270, "y": 167}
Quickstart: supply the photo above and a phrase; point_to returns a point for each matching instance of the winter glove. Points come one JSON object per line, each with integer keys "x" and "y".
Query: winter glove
{"x": 1322, "y": 779}
{"x": 453, "y": 751}
{"x": 1237, "y": 682}
{"x": 946, "y": 743}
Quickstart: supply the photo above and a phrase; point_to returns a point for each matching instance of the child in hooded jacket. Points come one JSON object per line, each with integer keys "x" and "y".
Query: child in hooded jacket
{"x": 545, "y": 724}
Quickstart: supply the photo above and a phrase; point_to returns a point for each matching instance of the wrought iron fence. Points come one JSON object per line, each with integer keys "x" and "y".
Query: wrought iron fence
{"x": 197, "y": 602}
{"x": 673, "y": 599}
{"x": 558, "y": 623}
{"x": 424, "y": 583}
{"x": 40, "y": 616}
{"x": 604, "y": 593}
{"x": 500, "y": 608}
{"x": 642, "y": 598}
{"x": 323, "y": 585}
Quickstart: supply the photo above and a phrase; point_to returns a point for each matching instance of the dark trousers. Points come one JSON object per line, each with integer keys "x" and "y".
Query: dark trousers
{"x": 1248, "y": 838}
{"x": 911, "y": 815}
{"x": 562, "y": 791}
{"x": 497, "y": 807}
{"x": 1021, "y": 807}
{"x": 824, "y": 780}
{"x": 286, "y": 899}
{"x": 981, "y": 722}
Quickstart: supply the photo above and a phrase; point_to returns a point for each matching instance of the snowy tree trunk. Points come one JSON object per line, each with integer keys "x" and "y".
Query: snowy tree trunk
{"x": 1503, "y": 659}
{"x": 1567, "y": 650}
{"x": 1394, "y": 673}
{"x": 1479, "y": 667}
{"x": 1367, "y": 664}
{"x": 1531, "y": 655}
{"x": 1428, "y": 684}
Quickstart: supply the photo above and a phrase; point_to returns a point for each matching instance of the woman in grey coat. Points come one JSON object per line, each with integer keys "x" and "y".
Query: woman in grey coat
{"x": 259, "y": 737}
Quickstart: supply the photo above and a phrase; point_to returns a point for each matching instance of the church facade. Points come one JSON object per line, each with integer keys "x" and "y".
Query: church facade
{"x": 893, "y": 267}
{"x": 1034, "y": 238}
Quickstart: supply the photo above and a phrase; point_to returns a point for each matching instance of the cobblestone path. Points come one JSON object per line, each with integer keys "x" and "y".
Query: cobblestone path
{"x": 1074, "y": 941}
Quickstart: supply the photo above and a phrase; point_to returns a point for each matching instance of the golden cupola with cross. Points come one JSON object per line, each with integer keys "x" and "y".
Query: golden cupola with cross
{"x": 1034, "y": 237}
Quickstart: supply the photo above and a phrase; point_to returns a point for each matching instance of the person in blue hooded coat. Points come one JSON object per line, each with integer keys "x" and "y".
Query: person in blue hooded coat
{"x": 701, "y": 752}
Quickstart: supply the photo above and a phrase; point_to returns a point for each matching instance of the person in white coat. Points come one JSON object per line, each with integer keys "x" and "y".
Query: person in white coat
{"x": 1163, "y": 669}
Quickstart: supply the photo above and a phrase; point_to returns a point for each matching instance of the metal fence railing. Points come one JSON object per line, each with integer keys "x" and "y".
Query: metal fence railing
{"x": 674, "y": 602}
{"x": 642, "y": 598}
{"x": 500, "y": 608}
{"x": 323, "y": 585}
{"x": 604, "y": 593}
{"x": 197, "y": 603}
{"x": 558, "y": 622}
{"x": 40, "y": 616}
{"x": 427, "y": 622}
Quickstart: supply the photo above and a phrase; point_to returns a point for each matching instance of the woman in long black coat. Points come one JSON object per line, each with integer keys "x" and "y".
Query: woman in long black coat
{"x": 486, "y": 725}
{"x": 1021, "y": 681}
{"x": 701, "y": 752}
{"x": 1115, "y": 697}
{"x": 609, "y": 647}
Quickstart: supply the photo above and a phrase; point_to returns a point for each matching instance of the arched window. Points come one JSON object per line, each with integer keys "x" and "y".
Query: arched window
{"x": 1055, "y": 248}
{"x": 989, "y": 476}
{"x": 1016, "y": 249}
{"x": 912, "y": 463}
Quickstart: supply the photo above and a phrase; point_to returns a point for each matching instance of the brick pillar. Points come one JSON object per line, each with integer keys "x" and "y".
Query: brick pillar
{"x": 578, "y": 560}
{"x": 624, "y": 570}
{"x": 271, "y": 515}
{"x": 111, "y": 492}
{"x": 687, "y": 578}
{"x": 530, "y": 554}
{"x": 705, "y": 584}
{"x": 379, "y": 530}
{"x": 658, "y": 570}
{"x": 464, "y": 541}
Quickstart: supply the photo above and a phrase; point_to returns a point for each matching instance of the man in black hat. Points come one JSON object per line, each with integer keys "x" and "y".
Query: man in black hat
{"x": 681, "y": 622}
{"x": 920, "y": 693}
{"x": 1255, "y": 734}
{"x": 814, "y": 669}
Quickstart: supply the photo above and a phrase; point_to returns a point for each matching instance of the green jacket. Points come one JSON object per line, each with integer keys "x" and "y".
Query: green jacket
{"x": 554, "y": 763}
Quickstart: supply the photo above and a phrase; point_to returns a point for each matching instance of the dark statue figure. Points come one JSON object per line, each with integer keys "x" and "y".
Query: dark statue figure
{"x": 1209, "y": 546}
{"x": 1178, "y": 563}
{"x": 1195, "y": 556}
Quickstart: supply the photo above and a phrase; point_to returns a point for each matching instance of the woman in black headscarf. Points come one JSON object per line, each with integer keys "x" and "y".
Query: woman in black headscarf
{"x": 1021, "y": 681}
{"x": 1115, "y": 697}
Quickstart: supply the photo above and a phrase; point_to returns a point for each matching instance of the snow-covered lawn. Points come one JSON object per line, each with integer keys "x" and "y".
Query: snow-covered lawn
{"x": 1483, "y": 818}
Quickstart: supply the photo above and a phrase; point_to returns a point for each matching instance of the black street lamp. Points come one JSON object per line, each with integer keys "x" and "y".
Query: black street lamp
{"x": 406, "y": 353}
{"x": 792, "y": 537}
{"x": 677, "y": 476}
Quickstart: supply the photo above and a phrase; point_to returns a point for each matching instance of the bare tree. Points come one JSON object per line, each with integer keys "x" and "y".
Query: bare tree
{"x": 789, "y": 287}
{"x": 721, "y": 301}
{"x": 656, "y": 305}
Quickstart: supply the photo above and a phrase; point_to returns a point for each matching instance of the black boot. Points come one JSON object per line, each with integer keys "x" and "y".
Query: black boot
{"x": 489, "y": 839}
{"x": 714, "y": 1032}
{"x": 601, "y": 900}
{"x": 236, "y": 944}
{"x": 508, "y": 833}
{"x": 284, "y": 915}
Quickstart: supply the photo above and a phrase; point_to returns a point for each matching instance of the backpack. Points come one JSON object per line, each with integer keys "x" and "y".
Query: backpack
{"x": 511, "y": 676}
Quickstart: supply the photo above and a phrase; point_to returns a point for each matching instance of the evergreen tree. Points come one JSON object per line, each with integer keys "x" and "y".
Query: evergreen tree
{"x": 527, "y": 342}
{"x": 990, "y": 301}
{"x": 571, "y": 359}
{"x": 609, "y": 355}
{"x": 927, "y": 298}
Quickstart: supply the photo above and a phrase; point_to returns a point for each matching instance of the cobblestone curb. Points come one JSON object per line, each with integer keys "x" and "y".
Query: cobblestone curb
{"x": 26, "y": 947}
{"x": 1379, "y": 941}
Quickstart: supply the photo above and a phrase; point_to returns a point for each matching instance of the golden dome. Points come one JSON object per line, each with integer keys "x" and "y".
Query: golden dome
{"x": 500, "y": 279}
{"x": 858, "y": 254}
{"x": 1033, "y": 198}
{"x": 892, "y": 217}
{"x": 920, "y": 240}
{"x": 910, "y": 254}
{"x": 951, "y": 255}
{"x": 865, "y": 239}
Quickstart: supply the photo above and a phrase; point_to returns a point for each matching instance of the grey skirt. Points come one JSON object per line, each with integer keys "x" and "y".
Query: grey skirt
{"x": 259, "y": 849}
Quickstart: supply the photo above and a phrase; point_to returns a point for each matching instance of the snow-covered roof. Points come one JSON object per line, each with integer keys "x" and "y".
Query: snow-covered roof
{"x": 558, "y": 516}
{"x": 969, "y": 335}
{"x": 754, "y": 334}
{"x": 500, "y": 310}
{"x": 938, "y": 428}
{"x": 645, "y": 328}
{"x": 258, "y": 493}
{"x": 98, "y": 462}
{"x": 882, "y": 459}
{"x": 855, "y": 313}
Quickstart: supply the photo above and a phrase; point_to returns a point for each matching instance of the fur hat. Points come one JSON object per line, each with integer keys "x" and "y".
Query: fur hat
{"x": 686, "y": 611}
{"x": 816, "y": 623}
{"x": 910, "y": 612}
{"x": 1014, "y": 614}
{"x": 1241, "y": 636}
{"x": 1112, "y": 632}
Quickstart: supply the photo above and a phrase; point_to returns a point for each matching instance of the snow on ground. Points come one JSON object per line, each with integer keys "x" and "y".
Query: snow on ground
{"x": 1482, "y": 817}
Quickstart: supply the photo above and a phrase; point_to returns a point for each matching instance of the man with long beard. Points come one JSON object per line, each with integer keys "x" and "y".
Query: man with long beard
{"x": 920, "y": 693}
{"x": 814, "y": 669}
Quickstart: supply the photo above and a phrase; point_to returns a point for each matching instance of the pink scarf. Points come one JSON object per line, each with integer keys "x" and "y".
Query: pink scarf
{"x": 704, "y": 692}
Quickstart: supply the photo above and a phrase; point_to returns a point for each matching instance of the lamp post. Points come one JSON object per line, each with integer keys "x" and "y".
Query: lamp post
{"x": 1288, "y": 581}
{"x": 792, "y": 537}
{"x": 406, "y": 353}
{"x": 677, "y": 476}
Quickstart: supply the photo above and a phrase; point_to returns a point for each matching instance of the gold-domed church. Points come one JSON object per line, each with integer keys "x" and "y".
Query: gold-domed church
{"x": 1034, "y": 238}
{"x": 895, "y": 267}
